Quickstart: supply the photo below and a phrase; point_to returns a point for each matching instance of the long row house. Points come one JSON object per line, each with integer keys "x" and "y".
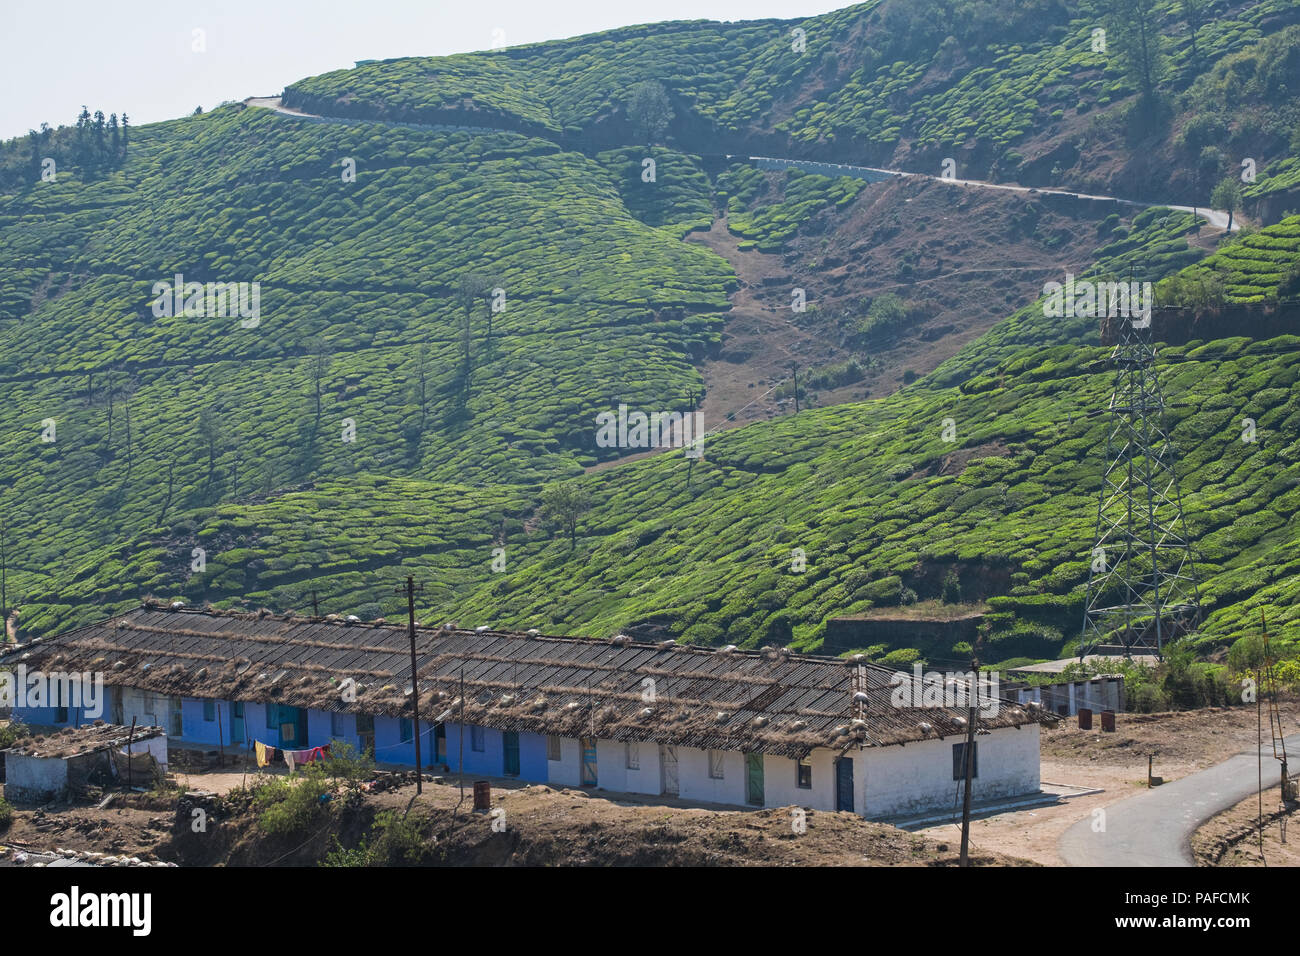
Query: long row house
{"x": 764, "y": 728}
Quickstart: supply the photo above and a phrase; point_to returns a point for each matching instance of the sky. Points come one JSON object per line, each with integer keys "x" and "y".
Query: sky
{"x": 141, "y": 57}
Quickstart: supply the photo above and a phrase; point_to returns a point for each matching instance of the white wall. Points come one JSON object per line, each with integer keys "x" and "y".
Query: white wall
{"x": 696, "y": 784}
{"x": 567, "y": 771}
{"x": 916, "y": 777}
{"x": 780, "y": 786}
{"x": 612, "y": 772}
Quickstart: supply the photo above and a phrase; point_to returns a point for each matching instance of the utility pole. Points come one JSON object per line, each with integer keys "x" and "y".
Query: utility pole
{"x": 794, "y": 370}
{"x": 410, "y": 589}
{"x": 972, "y": 711}
{"x": 4, "y": 591}
{"x": 315, "y": 604}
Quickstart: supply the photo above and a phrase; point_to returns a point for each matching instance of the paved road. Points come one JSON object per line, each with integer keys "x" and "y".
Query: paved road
{"x": 1218, "y": 220}
{"x": 1154, "y": 828}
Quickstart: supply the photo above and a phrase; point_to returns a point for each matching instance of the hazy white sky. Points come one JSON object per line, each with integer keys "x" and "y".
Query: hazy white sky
{"x": 136, "y": 56}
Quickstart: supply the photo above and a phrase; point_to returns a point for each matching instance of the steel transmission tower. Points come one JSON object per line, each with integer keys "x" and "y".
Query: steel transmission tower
{"x": 1142, "y": 591}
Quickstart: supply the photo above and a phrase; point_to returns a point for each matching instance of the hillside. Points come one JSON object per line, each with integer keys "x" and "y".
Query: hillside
{"x": 199, "y": 458}
{"x": 1009, "y": 91}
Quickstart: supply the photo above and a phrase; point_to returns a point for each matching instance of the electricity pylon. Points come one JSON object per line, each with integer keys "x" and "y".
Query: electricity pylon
{"x": 1142, "y": 591}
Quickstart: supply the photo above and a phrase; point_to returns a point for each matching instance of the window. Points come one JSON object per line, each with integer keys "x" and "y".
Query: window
{"x": 803, "y": 777}
{"x": 959, "y": 761}
{"x": 715, "y": 764}
{"x": 405, "y": 730}
{"x": 209, "y": 710}
{"x": 336, "y": 725}
{"x": 552, "y": 748}
{"x": 476, "y": 739}
{"x": 60, "y": 715}
{"x": 633, "y": 755}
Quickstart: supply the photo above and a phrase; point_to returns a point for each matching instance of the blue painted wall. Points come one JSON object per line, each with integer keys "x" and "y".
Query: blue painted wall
{"x": 45, "y": 716}
{"x": 389, "y": 748}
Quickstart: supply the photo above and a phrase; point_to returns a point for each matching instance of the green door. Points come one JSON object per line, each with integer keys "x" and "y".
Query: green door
{"x": 754, "y": 779}
{"x": 510, "y": 744}
{"x": 293, "y": 727}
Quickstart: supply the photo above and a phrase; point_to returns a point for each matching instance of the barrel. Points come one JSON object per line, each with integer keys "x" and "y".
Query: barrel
{"x": 482, "y": 795}
{"x": 1108, "y": 721}
{"x": 1085, "y": 718}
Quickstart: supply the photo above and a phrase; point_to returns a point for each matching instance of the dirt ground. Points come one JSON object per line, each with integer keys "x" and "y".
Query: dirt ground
{"x": 537, "y": 825}
{"x": 1232, "y": 838}
{"x": 1181, "y": 743}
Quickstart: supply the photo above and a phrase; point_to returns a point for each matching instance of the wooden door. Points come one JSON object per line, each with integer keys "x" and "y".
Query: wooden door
{"x": 588, "y": 745}
{"x": 754, "y": 779}
{"x": 668, "y": 770}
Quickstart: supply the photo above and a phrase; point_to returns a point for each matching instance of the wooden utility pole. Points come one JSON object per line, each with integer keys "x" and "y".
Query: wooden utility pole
{"x": 410, "y": 590}
{"x": 4, "y": 586}
{"x": 460, "y": 726}
{"x": 972, "y": 714}
{"x": 130, "y": 739}
{"x": 794, "y": 370}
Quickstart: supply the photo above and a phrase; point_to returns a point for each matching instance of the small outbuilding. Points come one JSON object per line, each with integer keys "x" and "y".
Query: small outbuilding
{"x": 54, "y": 767}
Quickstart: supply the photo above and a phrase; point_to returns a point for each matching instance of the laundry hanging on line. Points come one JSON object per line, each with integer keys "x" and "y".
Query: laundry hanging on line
{"x": 296, "y": 758}
{"x": 266, "y": 753}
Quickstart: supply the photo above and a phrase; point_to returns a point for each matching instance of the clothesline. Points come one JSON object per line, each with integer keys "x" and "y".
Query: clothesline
{"x": 267, "y": 754}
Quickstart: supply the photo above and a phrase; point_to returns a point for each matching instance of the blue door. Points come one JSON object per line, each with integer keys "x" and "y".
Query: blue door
{"x": 510, "y": 745}
{"x": 237, "y": 723}
{"x": 844, "y": 784}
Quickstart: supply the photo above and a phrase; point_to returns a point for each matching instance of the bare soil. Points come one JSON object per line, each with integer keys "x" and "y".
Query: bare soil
{"x": 1233, "y": 837}
{"x": 541, "y": 826}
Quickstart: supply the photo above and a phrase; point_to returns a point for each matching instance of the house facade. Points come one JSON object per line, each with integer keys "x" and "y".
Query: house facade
{"x": 745, "y": 728}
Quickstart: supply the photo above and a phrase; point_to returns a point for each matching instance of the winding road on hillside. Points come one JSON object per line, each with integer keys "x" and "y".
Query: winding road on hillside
{"x": 1216, "y": 219}
{"x": 1155, "y": 828}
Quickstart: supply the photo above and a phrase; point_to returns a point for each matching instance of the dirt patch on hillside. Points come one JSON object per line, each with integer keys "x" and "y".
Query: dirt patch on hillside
{"x": 964, "y": 256}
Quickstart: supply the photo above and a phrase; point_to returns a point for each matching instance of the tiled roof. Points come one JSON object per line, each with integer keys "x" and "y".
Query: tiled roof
{"x": 768, "y": 701}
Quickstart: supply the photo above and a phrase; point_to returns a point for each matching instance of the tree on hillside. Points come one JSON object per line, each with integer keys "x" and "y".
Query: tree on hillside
{"x": 1194, "y": 12}
{"x": 565, "y": 504}
{"x": 649, "y": 110}
{"x": 209, "y": 431}
{"x": 420, "y": 384}
{"x": 1227, "y": 196}
{"x": 472, "y": 287}
{"x": 1134, "y": 28}
{"x": 318, "y": 365}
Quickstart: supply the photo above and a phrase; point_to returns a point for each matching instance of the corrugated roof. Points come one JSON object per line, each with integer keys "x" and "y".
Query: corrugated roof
{"x": 769, "y": 701}
{"x": 86, "y": 739}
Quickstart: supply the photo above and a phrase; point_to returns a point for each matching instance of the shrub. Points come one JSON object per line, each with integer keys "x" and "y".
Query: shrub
{"x": 6, "y": 814}
{"x": 292, "y": 805}
{"x": 349, "y": 765}
{"x": 399, "y": 840}
{"x": 14, "y": 731}
{"x": 951, "y": 593}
